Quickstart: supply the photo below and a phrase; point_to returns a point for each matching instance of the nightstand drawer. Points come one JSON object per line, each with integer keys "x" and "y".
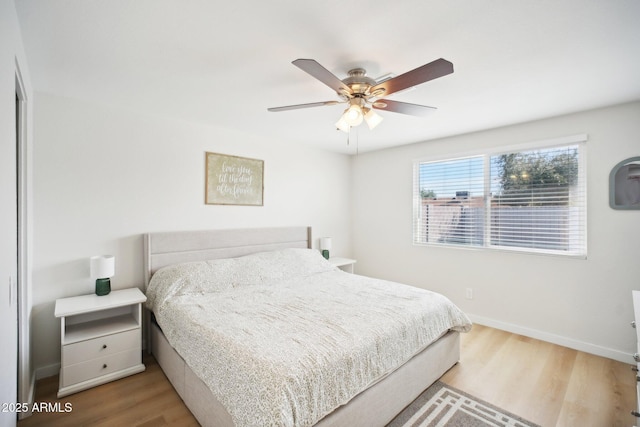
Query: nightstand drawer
{"x": 101, "y": 366}
{"x": 100, "y": 347}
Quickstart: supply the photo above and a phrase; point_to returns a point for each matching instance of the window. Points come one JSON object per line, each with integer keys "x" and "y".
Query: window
{"x": 529, "y": 200}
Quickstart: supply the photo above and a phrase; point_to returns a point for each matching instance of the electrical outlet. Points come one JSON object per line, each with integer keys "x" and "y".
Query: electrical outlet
{"x": 468, "y": 293}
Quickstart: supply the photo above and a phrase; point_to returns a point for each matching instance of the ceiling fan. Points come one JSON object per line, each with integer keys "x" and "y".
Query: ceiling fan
{"x": 363, "y": 94}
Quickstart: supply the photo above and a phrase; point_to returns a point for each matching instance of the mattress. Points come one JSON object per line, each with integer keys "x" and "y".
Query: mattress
{"x": 284, "y": 338}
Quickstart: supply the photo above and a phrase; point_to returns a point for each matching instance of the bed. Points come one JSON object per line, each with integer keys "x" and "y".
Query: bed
{"x": 263, "y": 368}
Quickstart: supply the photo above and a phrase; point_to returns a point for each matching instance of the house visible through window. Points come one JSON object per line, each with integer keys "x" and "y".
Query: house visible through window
{"x": 532, "y": 200}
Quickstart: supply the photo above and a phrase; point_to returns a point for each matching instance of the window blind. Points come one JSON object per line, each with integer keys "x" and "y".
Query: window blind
{"x": 532, "y": 200}
{"x": 450, "y": 202}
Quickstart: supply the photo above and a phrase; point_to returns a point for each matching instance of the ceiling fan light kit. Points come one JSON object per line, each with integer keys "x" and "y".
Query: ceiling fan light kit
{"x": 354, "y": 115}
{"x": 363, "y": 94}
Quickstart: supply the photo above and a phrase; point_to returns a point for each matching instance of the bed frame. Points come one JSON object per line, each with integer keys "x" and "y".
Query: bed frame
{"x": 375, "y": 406}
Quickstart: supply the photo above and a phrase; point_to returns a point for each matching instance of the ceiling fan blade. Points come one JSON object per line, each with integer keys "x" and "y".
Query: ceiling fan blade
{"x": 317, "y": 71}
{"x": 403, "y": 108}
{"x": 298, "y": 106}
{"x": 433, "y": 70}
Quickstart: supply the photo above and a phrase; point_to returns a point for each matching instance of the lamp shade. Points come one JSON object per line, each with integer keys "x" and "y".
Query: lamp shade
{"x": 343, "y": 125}
{"x": 372, "y": 118}
{"x": 353, "y": 115}
{"x": 103, "y": 266}
{"x": 325, "y": 243}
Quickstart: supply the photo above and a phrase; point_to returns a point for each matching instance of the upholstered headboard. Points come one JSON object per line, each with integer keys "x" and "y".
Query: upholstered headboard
{"x": 166, "y": 248}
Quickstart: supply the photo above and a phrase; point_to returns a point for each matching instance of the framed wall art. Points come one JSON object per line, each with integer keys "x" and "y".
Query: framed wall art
{"x": 233, "y": 180}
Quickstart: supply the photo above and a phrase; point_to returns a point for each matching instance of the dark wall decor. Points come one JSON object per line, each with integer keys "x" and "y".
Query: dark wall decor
{"x": 624, "y": 184}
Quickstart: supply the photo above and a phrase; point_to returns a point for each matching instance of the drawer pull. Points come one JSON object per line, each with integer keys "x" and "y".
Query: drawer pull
{"x": 104, "y": 346}
{"x": 104, "y": 366}
{"x": 635, "y": 414}
{"x": 633, "y": 324}
{"x": 636, "y": 357}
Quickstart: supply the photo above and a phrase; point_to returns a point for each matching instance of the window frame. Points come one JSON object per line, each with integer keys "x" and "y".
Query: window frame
{"x": 580, "y": 140}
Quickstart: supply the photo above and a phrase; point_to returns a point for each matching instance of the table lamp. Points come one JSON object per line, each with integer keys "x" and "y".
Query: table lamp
{"x": 325, "y": 246}
{"x": 103, "y": 267}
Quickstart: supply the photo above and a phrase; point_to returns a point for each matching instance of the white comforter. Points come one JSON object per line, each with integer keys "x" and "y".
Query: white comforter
{"x": 283, "y": 338}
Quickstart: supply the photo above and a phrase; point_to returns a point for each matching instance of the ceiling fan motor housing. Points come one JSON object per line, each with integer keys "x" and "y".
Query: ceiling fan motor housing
{"x": 359, "y": 82}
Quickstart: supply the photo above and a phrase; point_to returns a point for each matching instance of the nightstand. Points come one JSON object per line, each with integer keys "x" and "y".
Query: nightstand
{"x": 101, "y": 338}
{"x": 345, "y": 264}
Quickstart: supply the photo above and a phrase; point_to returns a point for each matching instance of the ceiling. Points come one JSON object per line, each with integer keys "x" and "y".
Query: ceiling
{"x": 225, "y": 62}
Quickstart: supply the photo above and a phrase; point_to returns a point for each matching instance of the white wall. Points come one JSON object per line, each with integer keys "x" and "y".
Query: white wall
{"x": 584, "y": 304}
{"x": 104, "y": 176}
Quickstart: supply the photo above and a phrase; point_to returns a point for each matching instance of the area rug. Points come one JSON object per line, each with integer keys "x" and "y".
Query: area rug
{"x": 444, "y": 406}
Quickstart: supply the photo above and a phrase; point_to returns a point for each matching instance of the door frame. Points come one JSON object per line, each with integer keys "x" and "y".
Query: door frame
{"x": 26, "y": 379}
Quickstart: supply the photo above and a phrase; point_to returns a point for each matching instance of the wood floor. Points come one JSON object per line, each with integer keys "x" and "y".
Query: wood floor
{"x": 142, "y": 400}
{"x": 542, "y": 382}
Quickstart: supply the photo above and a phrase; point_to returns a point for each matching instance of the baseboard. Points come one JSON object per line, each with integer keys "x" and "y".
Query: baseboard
{"x": 31, "y": 398}
{"x": 554, "y": 339}
{"x": 47, "y": 371}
